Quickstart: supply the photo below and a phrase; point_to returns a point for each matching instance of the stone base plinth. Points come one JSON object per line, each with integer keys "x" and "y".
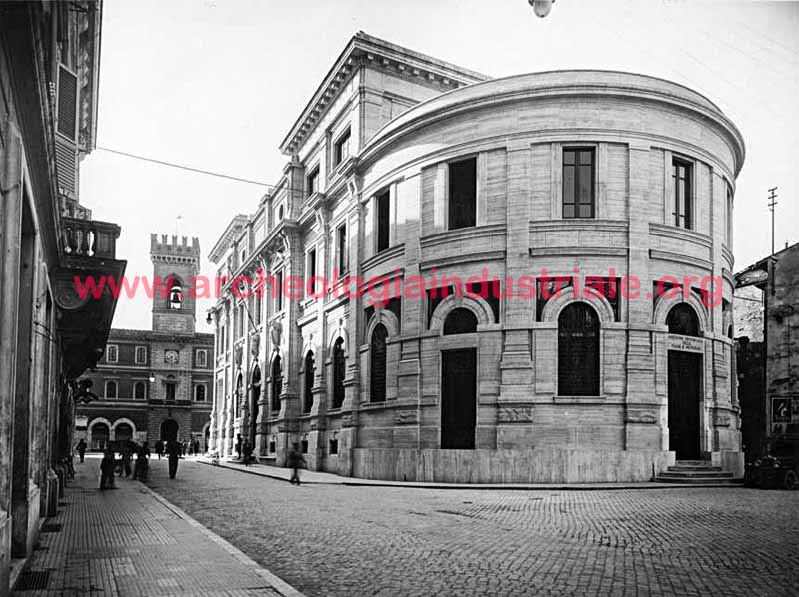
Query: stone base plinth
{"x": 538, "y": 465}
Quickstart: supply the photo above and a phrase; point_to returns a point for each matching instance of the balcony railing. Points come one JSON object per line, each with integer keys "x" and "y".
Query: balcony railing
{"x": 89, "y": 238}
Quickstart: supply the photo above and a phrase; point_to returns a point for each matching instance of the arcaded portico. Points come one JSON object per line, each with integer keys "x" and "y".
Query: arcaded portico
{"x": 434, "y": 179}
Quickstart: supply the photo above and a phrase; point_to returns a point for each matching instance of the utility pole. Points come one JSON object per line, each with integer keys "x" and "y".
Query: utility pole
{"x": 772, "y": 202}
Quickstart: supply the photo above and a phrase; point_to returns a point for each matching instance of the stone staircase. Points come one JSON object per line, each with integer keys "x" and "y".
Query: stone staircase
{"x": 696, "y": 472}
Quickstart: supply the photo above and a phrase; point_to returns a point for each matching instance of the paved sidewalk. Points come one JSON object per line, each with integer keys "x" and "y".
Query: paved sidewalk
{"x": 131, "y": 541}
{"x": 316, "y": 477}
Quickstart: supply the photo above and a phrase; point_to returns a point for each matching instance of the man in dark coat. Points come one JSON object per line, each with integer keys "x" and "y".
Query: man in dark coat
{"x": 107, "y": 466}
{"x": 81, "y": 448}
{"x": 295, "y": 460}
{"x": 173, "y": 449}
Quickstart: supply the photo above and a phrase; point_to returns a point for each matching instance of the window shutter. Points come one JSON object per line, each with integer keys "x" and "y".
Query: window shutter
{"x": 67, "y": 103}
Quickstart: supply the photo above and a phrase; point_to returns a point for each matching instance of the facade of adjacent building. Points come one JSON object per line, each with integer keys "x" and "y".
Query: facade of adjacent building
{"x": 156, "y": 384}
{"x": 424, "y": 179}
{"x": 49, "y": 333}
{"x": 767, "y": 302}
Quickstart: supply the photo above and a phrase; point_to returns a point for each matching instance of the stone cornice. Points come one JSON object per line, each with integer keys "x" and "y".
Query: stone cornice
{"x": 365, "y": 49}
{"x": 231, "y": 232}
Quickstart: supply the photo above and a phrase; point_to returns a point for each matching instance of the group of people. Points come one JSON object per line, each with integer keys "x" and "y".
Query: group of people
{"x": 244, "y": 453}
{"x": 110, "y": 465}
{"x": 190, "y": 447}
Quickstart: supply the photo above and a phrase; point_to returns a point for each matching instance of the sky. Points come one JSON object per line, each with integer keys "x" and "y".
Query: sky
{"x": 217, "y": 84}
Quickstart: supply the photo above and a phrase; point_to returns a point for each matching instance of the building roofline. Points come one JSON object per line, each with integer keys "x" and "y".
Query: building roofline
{"x": 364, "y": 44}
{"x": 227, "y": 237}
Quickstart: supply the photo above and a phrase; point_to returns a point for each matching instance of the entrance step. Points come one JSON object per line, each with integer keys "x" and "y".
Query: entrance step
{"x": 695, "y": 472}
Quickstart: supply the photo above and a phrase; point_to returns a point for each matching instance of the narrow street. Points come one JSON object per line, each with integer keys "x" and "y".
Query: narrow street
{"x": 335, "y": 540}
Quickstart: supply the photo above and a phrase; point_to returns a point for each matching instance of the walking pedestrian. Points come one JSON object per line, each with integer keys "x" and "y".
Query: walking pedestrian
{"x": 127, "y": 456}
{"x": 295, "y": 459}
{"x": 142, "y": 465}
{"x": 107, "y": 467}
{"x": 81, "y": 448}
{"x": 159, "y": 448}
{"x": 197, "y": 447}
{"x": 173, "y": 453}
{"x": 238, "y": 446}
{"x": 247, "y": 453}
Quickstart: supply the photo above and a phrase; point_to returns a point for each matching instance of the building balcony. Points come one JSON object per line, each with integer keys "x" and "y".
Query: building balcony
{"x": 86, "y": 284}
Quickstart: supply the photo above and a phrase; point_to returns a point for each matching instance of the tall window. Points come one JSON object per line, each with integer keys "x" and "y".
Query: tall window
{"x": 683, "y": 200}
{"x": 277, "y": 384}
{"x": 312, "y": 182}
{"x": 728, "y": 230}
{"x": 279, "y": 290}
{"x": 111, "y": 353}
{"x": 199, "y": 393}
{"x": 377, "y": 366}
{"x": 170, "y": 390}
{"x": 578, "y": 183}
{"x": 141, "y": 355}
{"x": 578, "y": 351}
{"x": 341, "y": 248}
{"x": 237, "y": 396}
{"x": 139, "y": 390}
{"x": 307, "y": 402}
{"x": 202, "y": 358}
{"x": 463, "y": 194}
{"x": 342, "y": 148}
{"x": 383, "y": 209}
{"x": 338, "y": 373}
{"x": 110, "y": 389}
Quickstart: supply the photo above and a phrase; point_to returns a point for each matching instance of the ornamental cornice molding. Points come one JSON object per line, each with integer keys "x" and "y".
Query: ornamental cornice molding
{"x": 363, "y": 50}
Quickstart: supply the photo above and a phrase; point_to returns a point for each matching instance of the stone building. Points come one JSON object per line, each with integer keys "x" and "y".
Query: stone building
{"x": 767, "y": 348}
{"x": 422, "y": 178}
{"x": 49, "y": 333}
{"x": 156, "y": 384}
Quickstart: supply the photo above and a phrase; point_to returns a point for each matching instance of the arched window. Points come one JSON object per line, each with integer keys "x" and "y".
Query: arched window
{"x": 277, "y": 384}
{"x": 110, "y": 389}
{"x": 307, "y": 402}
{"x": 460, "y": 321}
{"x": 139, "y": 391}
{"x": 578, "y": 351}
{"x": 339, "y": 363}
{"x": 123, "y": 432}
{"x": 682, "y": 319}
{"x": 175, "y": 294}
{"x": 377, "y": 366}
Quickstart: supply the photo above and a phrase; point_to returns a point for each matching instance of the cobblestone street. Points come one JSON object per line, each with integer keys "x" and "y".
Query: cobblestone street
{"x": 336, "y": 540}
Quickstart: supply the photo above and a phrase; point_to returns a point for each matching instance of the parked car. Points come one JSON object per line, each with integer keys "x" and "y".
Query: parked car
{"x": 778, "y": 468}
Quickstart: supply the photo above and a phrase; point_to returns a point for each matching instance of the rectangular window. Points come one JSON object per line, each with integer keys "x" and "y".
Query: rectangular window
{"x": 463, "y": 194}
{"x": 199, "y": 393}
{"x": 202, "y": 358}
{"x": 311, "y": 271}
{"x": 578, "y": 183}
{"x": 342, "y": 148}
{"x": 170, "y": 390}
{"x": 383, "y": 214}
{"x": 279, "y": 291}
{"x": 729, "y": 217}
{"x": 258, "y": 305}
{"x": 333, "y": 446}
{"x": 312, "y": 182}
{"x": 683, "y": 200}
{"x": 141, "y": 355}
{"x": 341, "y": 248}
{"x": 111, "y": 353}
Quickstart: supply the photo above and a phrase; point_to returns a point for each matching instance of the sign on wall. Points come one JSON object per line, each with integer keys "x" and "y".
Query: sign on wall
{"x": 686, "y": 343}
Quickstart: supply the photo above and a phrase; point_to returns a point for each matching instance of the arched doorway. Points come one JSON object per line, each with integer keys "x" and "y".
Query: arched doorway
{"x": 169, "y": 430}
{"x": 255, "y": 396}
{"x": 277, "y": 385}
{"x": 685, "y": 379}
{"x": 123, "y": 432}
{"x": 377, "y": 365}
{"x": 100, "y": 434}
{"x": 459, "y": 385}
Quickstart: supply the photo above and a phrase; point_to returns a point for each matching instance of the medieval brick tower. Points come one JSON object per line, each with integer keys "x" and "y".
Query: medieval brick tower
{"x": 176, "y": 266}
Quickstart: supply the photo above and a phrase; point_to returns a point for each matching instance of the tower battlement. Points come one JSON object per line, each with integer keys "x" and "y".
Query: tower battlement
{"x": 170, "y": 245}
